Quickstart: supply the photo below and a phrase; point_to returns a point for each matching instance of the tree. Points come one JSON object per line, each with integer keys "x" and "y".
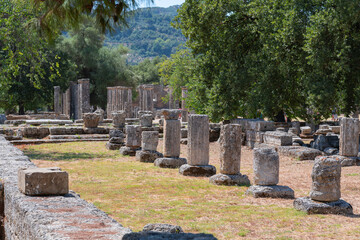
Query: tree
{"x": 298, "y": 57}
{"x": 29, "y": 69}
{"x": 61, "y": 14}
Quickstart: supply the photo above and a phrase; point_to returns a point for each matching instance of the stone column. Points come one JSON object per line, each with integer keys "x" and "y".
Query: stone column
{"x": 57, "y": 100}
{"x": 118, "y": 118}
{"x": 84, "y": 96}
{"x": 67, "y": 102}
{"x": 325, "y": 191}
{"x": 133, "y": 140}
{"x": 198, "y": 148}
{"x": 149, "y": 143}
{"x": 230, "y": 155}
{"x": 74, "y": 104}
{"x": 184, "y": 114}
{"x": 116, "y": 140}
{"x": 266, "y": 175}
{"x": 171, "y": 149}
{"x": 108, "y": 104}
{"x": 146, "y": 120}
{"x": 349, "y": 137}
{"x": 148, "y": 98}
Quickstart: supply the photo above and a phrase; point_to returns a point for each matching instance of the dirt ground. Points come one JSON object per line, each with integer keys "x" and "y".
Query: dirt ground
{"x": 287, "y": 225}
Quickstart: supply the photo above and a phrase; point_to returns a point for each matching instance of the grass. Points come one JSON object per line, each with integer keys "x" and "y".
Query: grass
{"x": 136, "y": 194}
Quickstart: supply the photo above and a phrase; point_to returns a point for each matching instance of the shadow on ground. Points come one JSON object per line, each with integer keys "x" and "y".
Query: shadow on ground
{"x": 56, "y": 156}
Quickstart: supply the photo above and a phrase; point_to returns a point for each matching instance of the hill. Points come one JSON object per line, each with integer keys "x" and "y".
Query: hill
{"x": 149, "y": 34}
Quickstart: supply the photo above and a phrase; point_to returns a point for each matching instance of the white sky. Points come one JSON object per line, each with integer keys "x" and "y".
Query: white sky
{"x": 163, "y": 3}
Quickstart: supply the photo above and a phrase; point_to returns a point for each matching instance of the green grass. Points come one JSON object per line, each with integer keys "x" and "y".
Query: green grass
{"x": 137, "y": 193}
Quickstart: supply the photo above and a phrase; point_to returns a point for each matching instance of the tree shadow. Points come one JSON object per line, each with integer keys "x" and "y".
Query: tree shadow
{"x": 56, "y": 156}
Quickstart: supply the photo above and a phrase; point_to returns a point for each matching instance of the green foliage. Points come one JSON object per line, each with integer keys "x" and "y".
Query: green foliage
{"x": 29, "y": 68}
{"x": 104, "y": 66}
{"x": 147, "y": 71}
{"x": 300, "y": 57}
{"x": 61, "y": 14}
{"x": 149, "y": 34}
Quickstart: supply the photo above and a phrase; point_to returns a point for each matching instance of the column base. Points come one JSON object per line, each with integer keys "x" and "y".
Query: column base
{"x": 270, "y": 191}
{"x": 197, "y": 170}
{"x": 310, "y": 206}
{"x": 113, "y": 146}
{"x": 170, "y": 162}
{"x": 128, "y": 151}
{"x": 147, "y": 156}
{"x": 230, "y": 180}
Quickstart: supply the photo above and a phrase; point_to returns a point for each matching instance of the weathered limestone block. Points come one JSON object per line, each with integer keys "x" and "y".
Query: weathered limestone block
{"x": 280, "y": 129}
{"x": 146, "y": 120}
{"x": 260, "y": 126}
{"x": 91, "y": 120}
{"x": 170, "y": 162}
{"x": 96, "y": 130}
{"x": 309, "y": 206}
{"x": 197, "y": 170}
{"x": 296, "y": 125}
{"x": 43, "y": 181}
{"x": 277, "y": 138}
{"x": 148, "y": 156}
{"x": 35, "y": 132}
{"x": 66, "y": 130}
{"x": 149, "y": 140}
{"x": 306, "y": 130}
{"x": 172, "y": 138}
{"x": 266, "y": 166}
{"x": 293, "y": 131}
{"x": 100, "y": 112}
{"x": 171, "y": 114}
{"x": 254, "y": 136}
{"x": 324, "y": 126}
{"x": 230, "y": 180}
{"x": 119, "y": 119}
{"x": 349, "y": 137}
{"x": 113, "y": 146}
{"x": 326, "y": 179}
{"x": 230, "y": 149}
{"x": 335, "y": 129}
{"x": 198, "y": 140}
{"x": 300, "y": 153}
{"x": 274, "y": 191}
{"x": 115, "y": 133}
{"x": 133, "y": 136}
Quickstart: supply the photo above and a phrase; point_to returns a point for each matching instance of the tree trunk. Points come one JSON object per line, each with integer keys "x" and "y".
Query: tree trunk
{"x": 280, "y": 117}
{"x": 21, "y": 109}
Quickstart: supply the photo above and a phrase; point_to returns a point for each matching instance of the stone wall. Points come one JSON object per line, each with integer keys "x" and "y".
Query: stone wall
{"x": 56, "y": 217}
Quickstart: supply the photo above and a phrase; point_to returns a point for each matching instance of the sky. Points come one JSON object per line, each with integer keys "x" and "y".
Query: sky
{"x": 163, "y": 3}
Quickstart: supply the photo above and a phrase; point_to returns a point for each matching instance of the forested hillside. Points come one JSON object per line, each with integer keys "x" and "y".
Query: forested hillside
{"x": 150, "y": 34}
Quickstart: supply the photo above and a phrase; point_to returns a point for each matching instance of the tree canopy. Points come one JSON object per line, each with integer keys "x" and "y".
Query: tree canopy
{"x": 298, "y": 57}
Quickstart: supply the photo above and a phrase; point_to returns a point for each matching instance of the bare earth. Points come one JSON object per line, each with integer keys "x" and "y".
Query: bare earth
{"x": 138, "y": 193}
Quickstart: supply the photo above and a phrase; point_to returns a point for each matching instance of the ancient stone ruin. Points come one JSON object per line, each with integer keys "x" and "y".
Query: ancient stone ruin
{"x": 133, "y": 140}
{"x": 266, "y": 175}
{"x": 171, "y": 149}
{"x": 149, "y": 143}
{"x": 198, "y": 148}
{"x": 230, "y": 157}
{"x": 325, "y": 190}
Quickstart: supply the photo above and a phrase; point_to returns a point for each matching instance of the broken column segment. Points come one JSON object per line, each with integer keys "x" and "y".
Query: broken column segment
{"x": 266, "y": 175}
{"x": 133, "y": 140}
{"x": 325, "y": 191}
{"x": 43, "y": 181}
{"x": 171, "y": 150}
{"x": 230, "y": 157}
{"x": 198, "y": 148}
{"x": 149, "y": 143}
{"x": 118, "y": 118}
{"x": 349, "y": 137}
{"x": 146, "y": 120}
{"x": 116, "y": 140}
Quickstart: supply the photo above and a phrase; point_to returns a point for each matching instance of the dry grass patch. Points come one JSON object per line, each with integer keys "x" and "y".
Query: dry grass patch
{"x": 137, "y": 193}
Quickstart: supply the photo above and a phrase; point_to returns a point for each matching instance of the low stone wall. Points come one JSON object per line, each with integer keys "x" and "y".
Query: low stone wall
{"x": 56, "y": 217}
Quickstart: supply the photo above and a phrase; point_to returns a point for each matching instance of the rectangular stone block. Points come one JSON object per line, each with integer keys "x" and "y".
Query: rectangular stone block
{"x": 230, "y": 149}
{"x": 172, "y": 138}
{"x": 198, "y": 140}
{"x": 349, "y": 137}
{"x": 43, "y": 181}
{"x": 277, "y": 138}
{"x": 254, "y": 136}
{"x": 260, "y": 125}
